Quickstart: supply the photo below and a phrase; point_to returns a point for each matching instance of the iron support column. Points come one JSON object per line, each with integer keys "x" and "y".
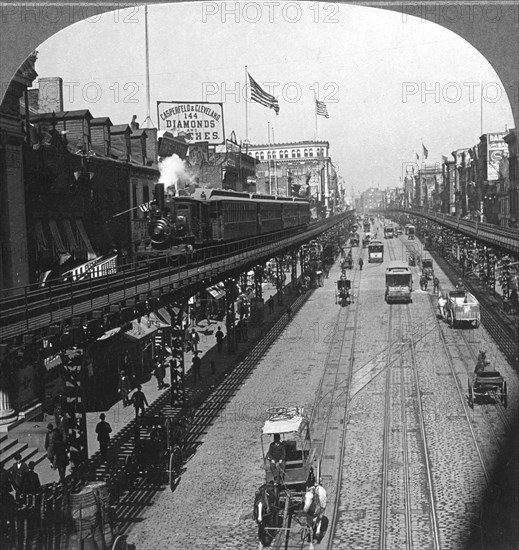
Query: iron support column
{"x": 177, "y": 364}
{"x": 230, "y": 321}
{"x": 258, "y": 280}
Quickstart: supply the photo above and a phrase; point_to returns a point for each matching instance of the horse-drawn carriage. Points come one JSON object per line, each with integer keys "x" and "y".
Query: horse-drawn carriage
{"x": 292, "y": 494}
{"x": 343, "y": 292}
{"x": 486, "y": 385}
{"x": 159, "y": 447}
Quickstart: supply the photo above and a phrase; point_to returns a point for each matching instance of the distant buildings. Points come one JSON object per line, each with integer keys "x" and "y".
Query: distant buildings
{"x": 301, "y": 168}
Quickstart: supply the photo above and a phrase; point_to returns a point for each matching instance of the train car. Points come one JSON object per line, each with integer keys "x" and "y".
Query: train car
{"x": 375, "y": 252}
{"x": 212, "y": 216}
{"x": 399, "y": 283}
{"x": 388, "y": 231}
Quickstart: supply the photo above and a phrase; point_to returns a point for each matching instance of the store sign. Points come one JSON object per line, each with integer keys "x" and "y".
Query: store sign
{"x": 201, "y": 121}
{"x": 496, "y": 147}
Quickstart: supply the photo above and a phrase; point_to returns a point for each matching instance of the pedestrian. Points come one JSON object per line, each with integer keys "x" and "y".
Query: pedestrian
{"x": 50, "y": 438}
{"x": 139, "y": 400}
{"x": 213, "y": 367}
{"x": 422, "y": 279}
{"x": 125, "y": 387}
{"x": 436, "y": 284}
{"x": 61, "y": 460}
{"x": 5, "y": 480}
{"x": 361, "y": 263}
{"x": 441, "y": 305}
{"x": 160, "y": 373}
{"x": 103, "y": 431}
{"x": 197, "y": 364}
{"x": 425, "y": 282}
{"x": 194, "y": 340}
{"x": 17, "y": 472}
{"x": 31, "y": 487}
{"x": 270, "y": 303}
{"x": 219, "y": 340}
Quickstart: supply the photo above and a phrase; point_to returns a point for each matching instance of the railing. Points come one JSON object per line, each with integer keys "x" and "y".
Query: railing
{"x": 493, "y": 234}
{"x": 33, "y": 309}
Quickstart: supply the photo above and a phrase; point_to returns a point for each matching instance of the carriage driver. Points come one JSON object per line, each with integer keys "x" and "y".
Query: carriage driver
{"x": 276, "y": 455}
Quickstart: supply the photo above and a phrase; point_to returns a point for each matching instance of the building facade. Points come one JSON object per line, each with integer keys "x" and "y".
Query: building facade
{"x": 302, "y": 168}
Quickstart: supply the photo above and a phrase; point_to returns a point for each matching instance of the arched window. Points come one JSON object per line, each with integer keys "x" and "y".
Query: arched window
{"x": 298, "y": 153}
{"x": 257, "y": 156}
{"x": 310, "y": 152}
{"x": 273, "y": 154}
{"x": 286, "y": 154}
{"x": 293, "y": 153}
{"x": 268, "y": 154}
{"x": 262, "y": 156}
{"x": 306, "y": 152}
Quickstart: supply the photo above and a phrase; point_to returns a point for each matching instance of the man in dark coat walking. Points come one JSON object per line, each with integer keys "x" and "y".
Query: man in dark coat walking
{"x": 61, "y": 460}
{"x": 31, "y": 487}
{"x": 197, "y": 364}
{"x": 18, "y": 470}
{"x": 139, "y": 400}
{"x": 103, "y": 431}
{"x": 219, "y": 340}
{"x": 160, "y": 373}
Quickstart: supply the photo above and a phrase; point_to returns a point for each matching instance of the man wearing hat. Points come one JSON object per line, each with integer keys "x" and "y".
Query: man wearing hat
{"x": 103, "y": 431}
{"x": 276, "y": 455}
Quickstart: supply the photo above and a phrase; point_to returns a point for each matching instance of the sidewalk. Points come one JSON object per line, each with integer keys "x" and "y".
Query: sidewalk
{"x": 119, "y": 416}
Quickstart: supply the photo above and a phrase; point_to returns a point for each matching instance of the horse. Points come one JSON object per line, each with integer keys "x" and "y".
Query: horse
{"x": 482, "y": 362}
{"x": 266, "y": 513}
{"x": 314, "y": 506}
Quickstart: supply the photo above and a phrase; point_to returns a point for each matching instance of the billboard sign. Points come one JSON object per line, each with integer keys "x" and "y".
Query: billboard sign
{"x": 496, "y": 147}
{"x": 195, "y": 121}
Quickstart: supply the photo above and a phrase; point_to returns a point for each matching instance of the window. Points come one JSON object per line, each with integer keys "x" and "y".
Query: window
{"x": 310, "y": 152}
{"x": 257, "y": 156}
{"x": 306, "y": 152}
{"x": 286, "y": 154}
{"x": 268, "y": 155}
{"x": 298, "y": 153}
{"x": 273, "y": 154}
{"x": 145, "y": 194}
{"x": 293, "y": 153}
{"x": 262, "y": 156}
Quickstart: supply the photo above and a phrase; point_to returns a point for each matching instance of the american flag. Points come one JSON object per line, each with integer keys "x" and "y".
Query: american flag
{"x": 260, "y": 96}
{"x": 145, "y": 207}
{"x": 320, "y": 108}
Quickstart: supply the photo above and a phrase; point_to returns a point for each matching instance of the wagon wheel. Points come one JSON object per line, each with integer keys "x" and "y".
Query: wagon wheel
{"x": 504, "y": 396}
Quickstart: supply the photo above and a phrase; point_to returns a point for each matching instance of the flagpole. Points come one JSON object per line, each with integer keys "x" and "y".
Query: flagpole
{"x": 246, "y": 112}
{"x": 268, "y": 158}
{"x": 315, "y": 109}
{"x": 481, "y": 114}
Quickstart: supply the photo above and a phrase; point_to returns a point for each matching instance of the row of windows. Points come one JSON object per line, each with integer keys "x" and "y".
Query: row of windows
{"x": 239, "y": 213}
{"x": 295, "y": 153}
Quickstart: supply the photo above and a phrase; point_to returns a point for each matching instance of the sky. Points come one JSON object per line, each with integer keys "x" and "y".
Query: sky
{"x": 391, "y": 84}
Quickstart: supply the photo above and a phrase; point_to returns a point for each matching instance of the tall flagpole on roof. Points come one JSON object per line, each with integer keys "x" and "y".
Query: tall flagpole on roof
{"x": 315, "y": 111}
{"x": 246, "y": 111}
{"x": 148, "y": 123}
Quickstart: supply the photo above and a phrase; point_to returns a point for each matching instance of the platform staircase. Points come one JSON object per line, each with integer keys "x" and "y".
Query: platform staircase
{"x": 10, "y": 446}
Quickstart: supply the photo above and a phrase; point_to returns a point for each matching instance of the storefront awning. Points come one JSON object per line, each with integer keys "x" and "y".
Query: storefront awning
{"x": 163, "y": 313}
{"x": 110, "y": 333}
{"x": 216, "y": 292}
{"x": 145, "y": 326}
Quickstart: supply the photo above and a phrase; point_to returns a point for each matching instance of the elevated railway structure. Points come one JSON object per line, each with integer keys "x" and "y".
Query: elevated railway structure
{"x": 27, "y": 309}
{"x": 492, "y": 235}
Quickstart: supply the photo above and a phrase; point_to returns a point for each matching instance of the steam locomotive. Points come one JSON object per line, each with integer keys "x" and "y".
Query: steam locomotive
{"x": 213, "y": 216}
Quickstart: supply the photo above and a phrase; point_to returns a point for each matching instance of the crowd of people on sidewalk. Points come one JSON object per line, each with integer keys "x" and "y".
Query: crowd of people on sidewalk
{"x": 24, "y": 482}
